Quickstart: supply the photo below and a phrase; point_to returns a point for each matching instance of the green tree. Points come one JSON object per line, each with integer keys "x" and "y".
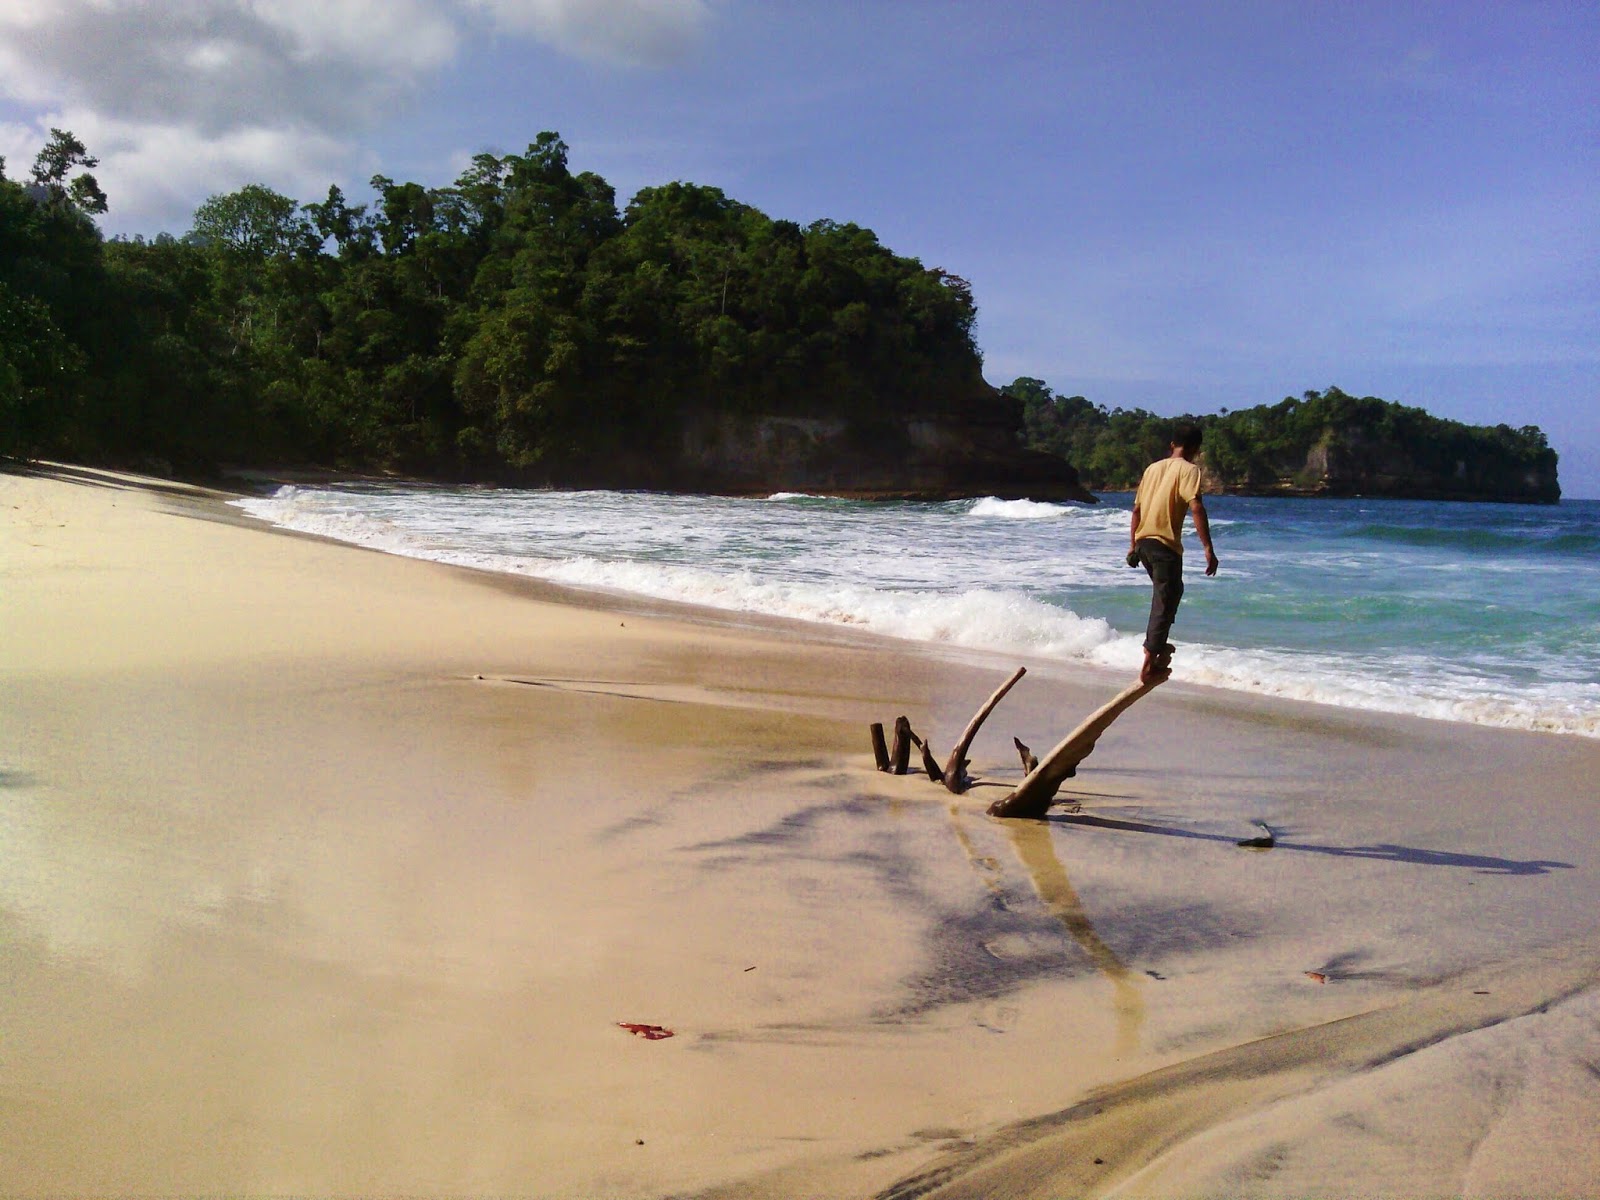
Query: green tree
{"x": 254, "y": 223}
{"x": 350, "y": 229}
{"x": 37, "y": 366}
{"x": 53, "y": 170}
{"x": 51, "y": 297}
{"x": 513, "y": 321}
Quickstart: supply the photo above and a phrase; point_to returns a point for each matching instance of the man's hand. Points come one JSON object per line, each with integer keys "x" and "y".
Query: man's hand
{"x": 1211, "y": 561}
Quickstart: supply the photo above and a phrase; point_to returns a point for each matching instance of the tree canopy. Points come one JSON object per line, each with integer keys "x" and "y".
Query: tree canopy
{"x": 1325, "y": 442}
{"x": 510, "y": 321}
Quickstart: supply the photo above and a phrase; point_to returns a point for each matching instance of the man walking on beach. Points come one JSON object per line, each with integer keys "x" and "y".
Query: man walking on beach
{"x": 1169, "y": 486}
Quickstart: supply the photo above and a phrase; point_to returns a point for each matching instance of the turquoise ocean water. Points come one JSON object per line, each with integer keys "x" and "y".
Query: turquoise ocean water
{"x": 1469, "y": 612}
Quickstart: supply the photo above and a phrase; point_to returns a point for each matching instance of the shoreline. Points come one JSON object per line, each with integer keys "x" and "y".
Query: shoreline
{"x": 281, "y": 863}
{"x": 935, "y": 621}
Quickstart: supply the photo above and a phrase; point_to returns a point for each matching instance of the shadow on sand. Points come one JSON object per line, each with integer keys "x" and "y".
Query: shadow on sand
{"x": 1383, "y": 851}
{"x": 113, "y": 478}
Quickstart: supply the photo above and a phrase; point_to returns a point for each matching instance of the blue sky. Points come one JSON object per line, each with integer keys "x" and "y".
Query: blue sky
{"x": 1176, "y": 206}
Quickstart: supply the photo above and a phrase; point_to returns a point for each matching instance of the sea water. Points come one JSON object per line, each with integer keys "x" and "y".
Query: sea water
{"x": 1470, "y": 612}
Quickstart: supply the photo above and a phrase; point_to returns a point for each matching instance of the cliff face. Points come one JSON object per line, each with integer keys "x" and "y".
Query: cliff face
{"x": 934, "y": 454}
{"x": 925, "y": 457}
{"x": 1350, "y": 462}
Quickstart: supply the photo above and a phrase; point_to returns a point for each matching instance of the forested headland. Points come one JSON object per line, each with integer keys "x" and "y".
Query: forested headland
{"x": 514, "y": 324}
{"x": 518, "y": 325}
{"x": 1325, "y": 443}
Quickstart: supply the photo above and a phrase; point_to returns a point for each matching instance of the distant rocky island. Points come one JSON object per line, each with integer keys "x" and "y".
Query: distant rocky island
{"x": 517, "y": 327}
{"x": 1325, "y": 443}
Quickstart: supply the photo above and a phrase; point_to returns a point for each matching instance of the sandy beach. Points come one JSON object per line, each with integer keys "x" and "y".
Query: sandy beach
{"x": 327, "y": 872}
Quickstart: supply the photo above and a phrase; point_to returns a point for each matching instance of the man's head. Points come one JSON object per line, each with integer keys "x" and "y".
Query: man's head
{"x": 1186, "y": 440}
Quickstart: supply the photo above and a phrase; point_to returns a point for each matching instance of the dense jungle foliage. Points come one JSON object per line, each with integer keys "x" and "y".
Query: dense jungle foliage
{"x": 1319, "y": 442}
{"x": 511, "y": 321}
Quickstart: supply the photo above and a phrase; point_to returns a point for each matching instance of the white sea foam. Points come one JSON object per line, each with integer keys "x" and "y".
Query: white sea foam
{"x": 1407, "y": 686}
{"x": 871, "y": 570}
{"x": 976, "y": 619}
{"x": 1076, "y": 518}
{"x": 1018, "y": 510}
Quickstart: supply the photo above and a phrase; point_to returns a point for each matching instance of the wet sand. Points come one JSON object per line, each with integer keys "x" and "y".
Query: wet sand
{"x": 292, "y": 900}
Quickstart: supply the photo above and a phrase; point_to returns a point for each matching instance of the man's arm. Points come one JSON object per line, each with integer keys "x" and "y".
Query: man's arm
{"x": 1202, "y": 526}
{"x": 1134, "y": 528}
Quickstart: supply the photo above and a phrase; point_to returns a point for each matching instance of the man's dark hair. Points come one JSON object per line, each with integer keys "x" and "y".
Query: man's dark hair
{"x": 1187, "y": 436}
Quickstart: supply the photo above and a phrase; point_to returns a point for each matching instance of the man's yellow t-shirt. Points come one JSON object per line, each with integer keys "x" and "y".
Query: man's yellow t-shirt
{"x": 1165, "y": 493}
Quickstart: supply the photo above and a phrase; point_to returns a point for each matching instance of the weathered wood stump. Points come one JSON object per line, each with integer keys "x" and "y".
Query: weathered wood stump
{"x": 900, "y": 756}
{"x": 880, "y": 752}
{"x": 1037, "y": 791}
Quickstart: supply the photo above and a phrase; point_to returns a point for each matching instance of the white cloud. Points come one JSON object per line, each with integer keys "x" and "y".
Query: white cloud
{"x": 160, "y": 172}
{"x": 220, "y": 65}
{"x": 181, "y": 98}
{"x": 18, "y": 145}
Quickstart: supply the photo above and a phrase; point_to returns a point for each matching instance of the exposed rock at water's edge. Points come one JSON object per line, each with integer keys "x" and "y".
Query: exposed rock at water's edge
{"x": 917, "y": 456}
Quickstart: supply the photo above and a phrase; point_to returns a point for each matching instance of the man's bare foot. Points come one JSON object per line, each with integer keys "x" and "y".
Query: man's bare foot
{"x": 1156, "y": 667}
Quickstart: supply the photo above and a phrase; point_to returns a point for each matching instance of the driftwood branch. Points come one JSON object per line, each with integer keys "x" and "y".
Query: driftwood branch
{"x": 955, "y": 777}
{"x": 898, "y": 760}
{"x": 1029, "y": 762}
{"x": 900, "y": 756}
{"x": 880, "y": 752}
{"x": 1037, "y": 791}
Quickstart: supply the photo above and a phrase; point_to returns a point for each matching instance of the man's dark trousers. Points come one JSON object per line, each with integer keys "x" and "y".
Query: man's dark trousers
{"x": 1165, "y": 566}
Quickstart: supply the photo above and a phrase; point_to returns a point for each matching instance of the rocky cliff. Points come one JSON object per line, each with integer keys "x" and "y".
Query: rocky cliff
{"x": 934, "y": 454}
{"x": 923, "y": 458}
{"x": 1352, "y": 462}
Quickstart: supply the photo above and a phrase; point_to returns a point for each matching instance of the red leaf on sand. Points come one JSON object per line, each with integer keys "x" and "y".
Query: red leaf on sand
{"x": 1316, "y": 977}
{"x": 651, "y": 1033}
